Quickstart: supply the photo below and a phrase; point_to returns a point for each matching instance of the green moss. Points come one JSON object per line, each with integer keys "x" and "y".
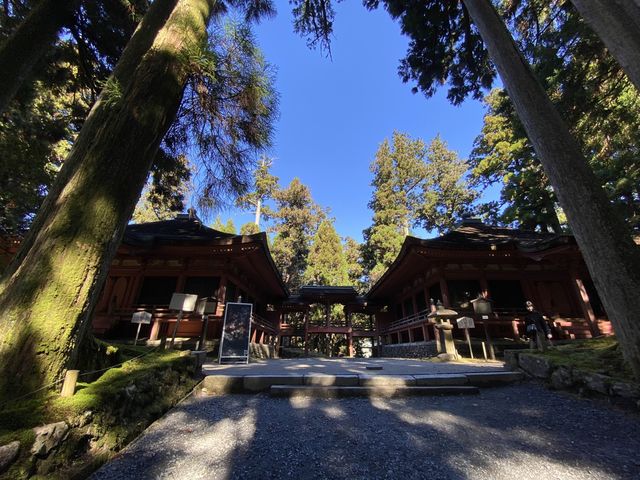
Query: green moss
{"x": 600, "y": 355}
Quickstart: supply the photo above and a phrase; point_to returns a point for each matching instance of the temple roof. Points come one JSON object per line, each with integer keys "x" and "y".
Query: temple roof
{"x": 188, "y": 231}
{"x": 182, "y": 229}
{"x": 474, "y": 237}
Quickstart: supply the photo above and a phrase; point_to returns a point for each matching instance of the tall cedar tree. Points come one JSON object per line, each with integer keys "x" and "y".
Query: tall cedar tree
{"x": 355, "y": 268}
{"x": 265, "y": 186}
{"x": 45, "y": 306}
{"x": 398, "y": 171}
{"x": 29, "y": 42}
{"x": 326, "y": 263}
{"x": 296, "y": 221}
{"x": 594, "y": 96}
{"x": 617, "y": 23}
{"x": 446, "y": 194}
{"x": 446, "y": 44}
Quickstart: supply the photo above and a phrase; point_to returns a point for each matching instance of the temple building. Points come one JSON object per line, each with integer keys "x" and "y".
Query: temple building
{"x": 504, "y": 266}
{"x": 159, "y": 258}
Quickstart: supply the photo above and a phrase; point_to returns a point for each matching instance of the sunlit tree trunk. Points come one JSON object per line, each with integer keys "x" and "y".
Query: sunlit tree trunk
{"x": 122, "y": 75}
{"x": 611, "y": 256}
{"x": 617, "y": 23}
{"x": 22, "y": 50}
{"x": 46, "y": 305}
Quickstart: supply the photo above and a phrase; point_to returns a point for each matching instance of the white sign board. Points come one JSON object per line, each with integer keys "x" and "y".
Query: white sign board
{"x": 465, "y": 322}
{"x": 141, "y": 317}
{"x": 183, "y": 301}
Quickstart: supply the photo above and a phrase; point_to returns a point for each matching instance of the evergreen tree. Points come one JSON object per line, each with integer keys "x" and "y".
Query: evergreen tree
{"x": 398, "y": 171}
{"x": 326, "y": 262}
{"x": 447, "y": 195}
{"x": 249, "y": 228}
{"x": 228, "y": 227}
{"x": 82, "y": 223}
{"x": 355, "y": 269}
{"x": 265, "y": 186}
{"x": 296, "y": 220}
{"x": 447, "y": 44}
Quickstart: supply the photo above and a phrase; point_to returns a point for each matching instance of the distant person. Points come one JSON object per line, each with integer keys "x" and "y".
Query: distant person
{"x": 537, "y": 328}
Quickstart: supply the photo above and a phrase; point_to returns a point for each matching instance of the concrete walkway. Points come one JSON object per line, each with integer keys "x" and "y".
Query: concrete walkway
{"x": 346, "y": 366}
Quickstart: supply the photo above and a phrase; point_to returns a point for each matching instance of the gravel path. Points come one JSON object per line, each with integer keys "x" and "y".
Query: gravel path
{"x": 518, "y": 432}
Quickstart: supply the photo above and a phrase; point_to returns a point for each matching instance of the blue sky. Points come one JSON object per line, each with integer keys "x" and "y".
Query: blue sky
{"x": 335, "y": 112}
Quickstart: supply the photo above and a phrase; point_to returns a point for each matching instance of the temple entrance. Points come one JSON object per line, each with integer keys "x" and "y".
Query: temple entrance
{"x": 328, "y": 321}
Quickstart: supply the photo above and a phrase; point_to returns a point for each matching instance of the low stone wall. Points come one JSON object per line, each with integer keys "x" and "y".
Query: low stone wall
{"x": 410, "y": 350}
{"x": 561, "y": 377}
{"x": 74, "y": 445}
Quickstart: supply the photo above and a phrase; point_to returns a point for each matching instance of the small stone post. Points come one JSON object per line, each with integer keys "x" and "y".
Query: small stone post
{"x": 69, "y": 385}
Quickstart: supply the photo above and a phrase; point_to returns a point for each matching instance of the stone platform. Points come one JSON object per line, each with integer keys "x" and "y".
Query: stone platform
{"x": 354, "y": 377}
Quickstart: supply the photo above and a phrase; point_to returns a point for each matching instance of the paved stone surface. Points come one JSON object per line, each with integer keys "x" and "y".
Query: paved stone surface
{"x": 345, "y": 366}
{"x": 515, "y": 432}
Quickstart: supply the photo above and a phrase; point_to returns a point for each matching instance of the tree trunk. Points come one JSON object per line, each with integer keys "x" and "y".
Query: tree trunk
{"x": 122, "y": 75}
{"x": 258, "y": 212}
{"x": 617, "y": 23}
{"x": 46, "y": 305}
{"x": 22, "y": 50}
{"x": 611, "y": 256}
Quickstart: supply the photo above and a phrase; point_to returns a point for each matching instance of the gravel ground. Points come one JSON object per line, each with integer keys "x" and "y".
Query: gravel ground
{"x": 517, "y": 432}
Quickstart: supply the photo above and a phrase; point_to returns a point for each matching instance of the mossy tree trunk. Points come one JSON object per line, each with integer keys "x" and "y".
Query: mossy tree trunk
{"x": 22, "y": 50}
{"x": 45, "y": 306}
{"x": 611, "y": 256}
{"x": 617, "y": 23}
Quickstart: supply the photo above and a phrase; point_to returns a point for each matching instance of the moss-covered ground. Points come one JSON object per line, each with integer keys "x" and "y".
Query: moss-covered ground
{"x": 598, "y": 355}
{"x": 119, "y": 411}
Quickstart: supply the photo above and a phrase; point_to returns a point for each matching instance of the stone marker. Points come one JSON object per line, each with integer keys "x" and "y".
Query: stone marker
{"x": 8, "y": 455}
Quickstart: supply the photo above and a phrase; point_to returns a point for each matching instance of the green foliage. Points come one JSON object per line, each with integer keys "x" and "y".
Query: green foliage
{"x": 594, "y": 96}
{"x": 444, "y": 47}
{"x": 163, "y": 196}
{"x": 264, "y": 187}
{"x": 447, "y": 196}
{"x": 355, "y": 269}
{"x": 249, "y": 228}
{"x": 228, "y": 227}
{"x": 296, "y": 220}
{"x": 398, "y": 170}
{"x": 326, "y": 263}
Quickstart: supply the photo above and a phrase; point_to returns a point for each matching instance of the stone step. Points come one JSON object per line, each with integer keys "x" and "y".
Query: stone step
{"x": 371, "y": 391}
{"x": 223, "y": 384}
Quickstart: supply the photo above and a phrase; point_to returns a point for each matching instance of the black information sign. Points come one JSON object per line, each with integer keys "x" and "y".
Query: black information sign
{"x": 236, "y": 332}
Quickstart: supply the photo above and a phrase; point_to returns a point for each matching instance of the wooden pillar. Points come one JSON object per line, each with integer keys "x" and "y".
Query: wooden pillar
{"x": 410, "y": 335}
{"x": 484, "y": 286}
{"x": 222, "y": 293}
{"x": 425, "y": 332}
{"x": 350, "y": 344}
{"x": 306, "y": 333}
{"x": 253, "y": 335}
{"x": 444, "y": 290}
{"x": 327, "y": 316}
{"x": 182, "y": 279}
{"x": 585, "y": 304}
{"x": 262, "y": 334}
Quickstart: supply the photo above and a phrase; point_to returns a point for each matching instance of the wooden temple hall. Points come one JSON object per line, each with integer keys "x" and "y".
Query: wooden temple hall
{"x": 504, "y": 266}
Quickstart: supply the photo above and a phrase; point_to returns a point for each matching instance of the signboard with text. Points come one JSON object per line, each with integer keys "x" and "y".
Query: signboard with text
{"x": 236, "y": 332}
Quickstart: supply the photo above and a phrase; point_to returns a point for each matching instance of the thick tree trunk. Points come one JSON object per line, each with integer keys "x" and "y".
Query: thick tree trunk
{"x": 611, "y": 256}
{"x": 122, "y": 75}
{"x": 22, "y": 50}
{"x": 46, "y": 305}
{"x": 617, "y": 23}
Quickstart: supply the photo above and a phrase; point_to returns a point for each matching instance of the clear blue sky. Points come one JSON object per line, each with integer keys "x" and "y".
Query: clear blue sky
{"x": 335, "y": 112}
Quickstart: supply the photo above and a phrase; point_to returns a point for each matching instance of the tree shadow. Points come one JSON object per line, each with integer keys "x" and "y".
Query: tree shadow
{"x": 501, "y": 433}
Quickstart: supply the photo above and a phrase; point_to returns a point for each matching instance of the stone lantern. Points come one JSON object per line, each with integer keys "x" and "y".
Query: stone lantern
{"x": 444, "y": 334}
{"x": 482, "y": 308}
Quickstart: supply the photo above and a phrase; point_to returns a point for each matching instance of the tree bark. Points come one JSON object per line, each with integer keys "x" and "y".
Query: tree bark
{"x": 617, "y": 23}
{"x": 122, "y": 75}
{"x": 46, "y": 305}
{"x": 610, "y": 254}
{"x": 22, "y": 50}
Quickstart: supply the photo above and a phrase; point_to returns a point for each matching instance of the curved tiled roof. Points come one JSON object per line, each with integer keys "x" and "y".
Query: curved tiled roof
{"x": 178, "y": 230}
